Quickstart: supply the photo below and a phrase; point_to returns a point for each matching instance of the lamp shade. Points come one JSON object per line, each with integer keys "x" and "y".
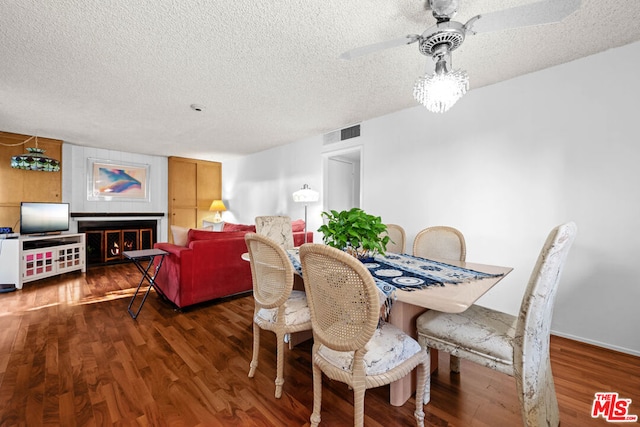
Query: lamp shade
{"x": 217, "y": 205}
{"x": 306, "y": 195}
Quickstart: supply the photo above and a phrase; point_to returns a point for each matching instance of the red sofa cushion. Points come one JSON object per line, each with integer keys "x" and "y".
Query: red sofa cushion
{"x": 238, "y": 227}
{"x": 297, "y": 225}
{"x": 195, "y": 235}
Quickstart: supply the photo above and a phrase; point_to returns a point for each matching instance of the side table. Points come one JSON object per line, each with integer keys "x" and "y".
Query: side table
{"x": 138, "y": 257}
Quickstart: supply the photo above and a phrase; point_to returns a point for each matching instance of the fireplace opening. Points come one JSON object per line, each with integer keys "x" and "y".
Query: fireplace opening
{"x": 105, "y": 241}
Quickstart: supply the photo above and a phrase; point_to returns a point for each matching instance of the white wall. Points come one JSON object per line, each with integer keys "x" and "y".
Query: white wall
{"x": 75, "y": 175}
{"x": 505, "y": 165}
{"x": 264, "y": 184}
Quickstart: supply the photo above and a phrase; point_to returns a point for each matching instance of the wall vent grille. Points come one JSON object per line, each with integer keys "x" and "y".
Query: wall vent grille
{"x": 341, "y": 135}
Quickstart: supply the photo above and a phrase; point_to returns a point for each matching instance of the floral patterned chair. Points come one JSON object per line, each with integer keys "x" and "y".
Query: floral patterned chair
{"x": 348, "y": 346}
{"x": 278, "y": 308}
{"x": 516, "y": 346}
{"x": 277, "y": 228}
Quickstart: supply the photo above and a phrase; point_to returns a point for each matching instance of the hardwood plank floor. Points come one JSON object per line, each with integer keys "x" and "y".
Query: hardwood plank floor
{"x": 71, "y": 355}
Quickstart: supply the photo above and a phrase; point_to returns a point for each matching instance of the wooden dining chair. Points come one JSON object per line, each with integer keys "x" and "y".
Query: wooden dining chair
{"x": 348, "y": 346}
{"x": 277, "y": 228}
{"x": 397, "y": 239}
{"x": 516, "y": 346}
{"x": 278, "y": 308}
{"x": 440, "y": 242}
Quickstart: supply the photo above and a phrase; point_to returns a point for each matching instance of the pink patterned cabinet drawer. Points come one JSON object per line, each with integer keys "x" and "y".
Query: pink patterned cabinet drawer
{"x": 38, "y": 263}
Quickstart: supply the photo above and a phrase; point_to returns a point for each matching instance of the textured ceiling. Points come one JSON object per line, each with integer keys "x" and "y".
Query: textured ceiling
{"x": 121, "y": 74}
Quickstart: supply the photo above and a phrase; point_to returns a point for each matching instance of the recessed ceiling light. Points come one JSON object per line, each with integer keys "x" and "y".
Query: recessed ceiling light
{"x": 197, "y": 107}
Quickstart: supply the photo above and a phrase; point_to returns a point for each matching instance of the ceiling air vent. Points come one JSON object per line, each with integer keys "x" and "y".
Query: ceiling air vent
{"x": 342, "y": 134}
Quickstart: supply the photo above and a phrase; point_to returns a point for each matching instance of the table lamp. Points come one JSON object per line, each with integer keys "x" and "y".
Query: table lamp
{"x": 305, "y": 195}
{"x": 217, "y": 206}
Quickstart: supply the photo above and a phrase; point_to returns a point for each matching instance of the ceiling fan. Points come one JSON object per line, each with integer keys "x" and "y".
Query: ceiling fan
{"x": 440, "y": 90}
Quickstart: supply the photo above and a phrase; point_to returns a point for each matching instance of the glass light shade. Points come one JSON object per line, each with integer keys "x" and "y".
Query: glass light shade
{"x": 35, "y": 160}
{"x": 306, "y": 195}
{"x": 217, "y": 205}
{"x": 439, "y": 91}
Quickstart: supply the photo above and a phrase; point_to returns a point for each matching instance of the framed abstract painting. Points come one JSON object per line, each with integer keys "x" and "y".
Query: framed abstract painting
{"x": 111, "y": 180}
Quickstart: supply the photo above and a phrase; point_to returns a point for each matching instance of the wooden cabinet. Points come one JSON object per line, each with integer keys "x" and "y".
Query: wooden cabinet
{"x": 17, "y": 185}
{"x": 193, "y": 185}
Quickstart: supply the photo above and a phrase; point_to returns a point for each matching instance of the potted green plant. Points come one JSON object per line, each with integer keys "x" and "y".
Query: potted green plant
{"x": 355, "y": 232}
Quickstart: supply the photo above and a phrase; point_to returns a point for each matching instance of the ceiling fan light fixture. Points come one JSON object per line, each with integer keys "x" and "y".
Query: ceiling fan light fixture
{"x": 439, "y": 91}
{"x": 443, "y": 8}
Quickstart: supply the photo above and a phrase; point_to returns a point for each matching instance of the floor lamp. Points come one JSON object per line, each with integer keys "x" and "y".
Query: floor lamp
{"x": 306, "y": 195}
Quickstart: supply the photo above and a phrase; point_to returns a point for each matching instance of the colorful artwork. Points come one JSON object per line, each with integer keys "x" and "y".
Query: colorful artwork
{"x": 112, "y": 181}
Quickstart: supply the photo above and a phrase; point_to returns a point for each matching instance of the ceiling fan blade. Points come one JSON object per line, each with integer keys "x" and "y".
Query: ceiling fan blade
{"x": 541, "y": 12}
{"x": 365, "y": 50}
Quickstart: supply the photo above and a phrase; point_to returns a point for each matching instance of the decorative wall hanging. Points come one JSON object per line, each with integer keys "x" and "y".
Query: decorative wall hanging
{"x": 115, "y": 181}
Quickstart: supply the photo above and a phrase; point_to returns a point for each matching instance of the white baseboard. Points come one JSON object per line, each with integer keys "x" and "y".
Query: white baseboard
{"x": 597, "y": 343}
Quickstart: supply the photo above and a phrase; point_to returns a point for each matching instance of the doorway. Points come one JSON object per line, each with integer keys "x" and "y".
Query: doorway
{"x": 342, "y": 179}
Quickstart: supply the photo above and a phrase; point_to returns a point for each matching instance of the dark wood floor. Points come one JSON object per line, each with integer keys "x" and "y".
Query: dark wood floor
{"x": 71, "y": 355}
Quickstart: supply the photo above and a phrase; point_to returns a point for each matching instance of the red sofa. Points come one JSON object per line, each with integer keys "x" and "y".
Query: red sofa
{"x": 208, "y": 267}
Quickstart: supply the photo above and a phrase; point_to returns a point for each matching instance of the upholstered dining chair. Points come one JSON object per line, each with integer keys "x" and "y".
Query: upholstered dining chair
{"x": 397, "y": 238}
{"x": 440, "y": 242}
{"x": 348, "y": 346}
{"x": 277, "y": 228}
{"x": 278, "y": 308}
{"x": 516, "y": 346}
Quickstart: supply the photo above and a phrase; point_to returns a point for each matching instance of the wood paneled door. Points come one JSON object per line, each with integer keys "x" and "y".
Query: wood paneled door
{"x": 193, "y": 185}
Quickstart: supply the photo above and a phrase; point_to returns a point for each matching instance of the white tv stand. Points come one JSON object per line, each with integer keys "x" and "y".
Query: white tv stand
{"x": 30, "y": 258}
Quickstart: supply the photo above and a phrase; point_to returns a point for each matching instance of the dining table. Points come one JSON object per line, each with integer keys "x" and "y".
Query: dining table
{"x": 410, "y": 285}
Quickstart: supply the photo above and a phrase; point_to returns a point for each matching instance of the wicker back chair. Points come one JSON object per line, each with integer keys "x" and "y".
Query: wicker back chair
{"x": 440, "y": 242}
{"x": 277, "y": 228}
{"x": 516, "y": 346}
{"x": 397, "y": 238}
{"x": 278, "y": 308}
{"x": 348, "y": 346}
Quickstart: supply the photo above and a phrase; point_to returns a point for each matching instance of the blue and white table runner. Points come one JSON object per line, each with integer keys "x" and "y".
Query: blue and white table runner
{"x": 409, "y": 273}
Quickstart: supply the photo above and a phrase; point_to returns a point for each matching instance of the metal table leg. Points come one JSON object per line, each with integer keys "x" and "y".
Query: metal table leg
{"x": 145, "y": 276}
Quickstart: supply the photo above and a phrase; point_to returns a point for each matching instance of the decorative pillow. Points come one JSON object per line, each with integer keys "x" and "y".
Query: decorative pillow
{"x": 238, "y": 227}
{"x": 179, "y": 235}
{"x": 297, "y": 225}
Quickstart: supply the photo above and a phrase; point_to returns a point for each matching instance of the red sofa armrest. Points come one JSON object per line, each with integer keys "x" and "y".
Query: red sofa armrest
{"x": 177, "y": 268}
{"x": 170, "y": 247}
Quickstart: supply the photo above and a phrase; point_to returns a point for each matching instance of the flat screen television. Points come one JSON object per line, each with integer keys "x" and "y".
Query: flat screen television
{"x": 43, "y": 218}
